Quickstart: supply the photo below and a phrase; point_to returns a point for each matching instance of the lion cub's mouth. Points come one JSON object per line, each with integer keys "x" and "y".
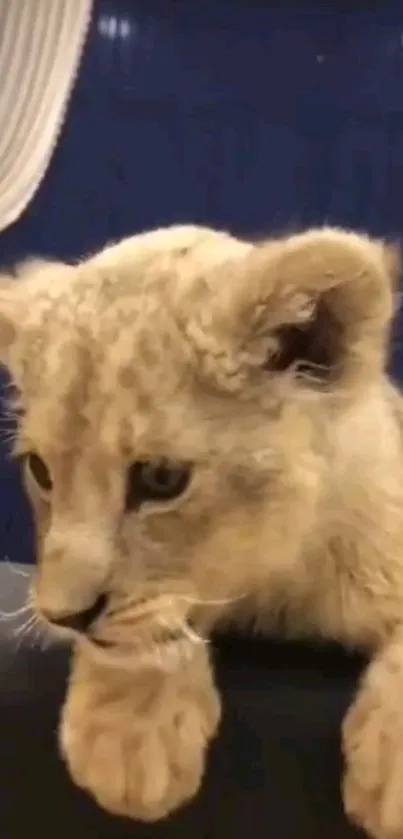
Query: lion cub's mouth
{"x": 164, "y": 651}
{"x": 167, "y": 638}
{"x": 155, "y": 642}
{"x": 148, "y": 628}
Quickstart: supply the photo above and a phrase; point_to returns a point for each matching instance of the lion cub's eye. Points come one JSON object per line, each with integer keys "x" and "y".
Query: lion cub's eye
{"x": 154, "y": 482}
{"x": 39, "y": 471}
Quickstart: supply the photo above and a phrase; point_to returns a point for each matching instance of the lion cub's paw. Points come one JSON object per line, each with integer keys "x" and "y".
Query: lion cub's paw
{"x": 373, "y": 748}
{"x": 138, "y": 766}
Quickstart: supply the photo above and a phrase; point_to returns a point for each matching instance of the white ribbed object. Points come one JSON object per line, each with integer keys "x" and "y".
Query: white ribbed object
{"x": 41, "y": 42}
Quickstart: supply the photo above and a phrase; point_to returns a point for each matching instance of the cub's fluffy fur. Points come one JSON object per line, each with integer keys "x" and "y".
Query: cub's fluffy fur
{"x": 261, "y": 370}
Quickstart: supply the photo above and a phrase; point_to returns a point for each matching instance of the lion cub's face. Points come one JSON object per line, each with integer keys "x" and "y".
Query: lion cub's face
{"x": 171, "y": 390}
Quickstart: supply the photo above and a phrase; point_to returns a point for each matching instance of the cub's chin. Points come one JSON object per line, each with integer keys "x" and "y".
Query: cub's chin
{"x": 165, "y": 654}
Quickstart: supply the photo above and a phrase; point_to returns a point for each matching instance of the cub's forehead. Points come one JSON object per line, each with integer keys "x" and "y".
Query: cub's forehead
{"x": 101, "y": 340}
{"x": 169, "y": 261}
{"x": 124, "y": 287}
{"x": 199, "y": 245}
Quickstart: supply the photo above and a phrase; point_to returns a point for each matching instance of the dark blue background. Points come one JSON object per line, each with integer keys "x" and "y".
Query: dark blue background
{"x": 256, "y": 119}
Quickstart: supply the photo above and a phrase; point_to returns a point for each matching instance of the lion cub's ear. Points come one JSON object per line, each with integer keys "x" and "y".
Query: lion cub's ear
{"x": 320, "y": 302}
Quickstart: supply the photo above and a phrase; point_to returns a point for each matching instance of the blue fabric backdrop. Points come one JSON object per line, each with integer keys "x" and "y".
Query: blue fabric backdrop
{"x": 255, "y": 118}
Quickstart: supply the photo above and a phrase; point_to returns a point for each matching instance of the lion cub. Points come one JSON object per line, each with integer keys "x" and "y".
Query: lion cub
{"x": 208, "y": 436}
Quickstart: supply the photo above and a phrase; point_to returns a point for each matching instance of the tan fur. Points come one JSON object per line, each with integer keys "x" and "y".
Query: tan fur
{"x": 169, "y": 345}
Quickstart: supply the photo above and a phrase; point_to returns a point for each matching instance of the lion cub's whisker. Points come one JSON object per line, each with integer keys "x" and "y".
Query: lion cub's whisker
{"x": 151, "y": 604}
{"x": 10, "y": 616}
{"x": 180, "y": 625}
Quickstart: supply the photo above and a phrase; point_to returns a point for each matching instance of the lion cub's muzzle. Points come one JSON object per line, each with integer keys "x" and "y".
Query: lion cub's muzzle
{"x": 79, "y": 621}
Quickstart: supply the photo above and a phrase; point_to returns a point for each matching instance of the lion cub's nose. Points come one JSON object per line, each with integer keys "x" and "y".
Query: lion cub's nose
{"x": 79, "y": 621}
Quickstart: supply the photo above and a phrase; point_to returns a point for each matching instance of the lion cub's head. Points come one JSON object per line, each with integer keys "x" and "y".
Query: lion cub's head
{"x": 171, "y": 396}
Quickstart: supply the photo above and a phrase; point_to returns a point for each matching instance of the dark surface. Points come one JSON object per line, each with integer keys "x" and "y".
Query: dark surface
{"x": 275, "y": 766}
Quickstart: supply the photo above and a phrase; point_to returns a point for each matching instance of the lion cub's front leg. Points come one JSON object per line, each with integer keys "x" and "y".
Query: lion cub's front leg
{"x": 373, "y": 746}
{"x": 137, "y": 742}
